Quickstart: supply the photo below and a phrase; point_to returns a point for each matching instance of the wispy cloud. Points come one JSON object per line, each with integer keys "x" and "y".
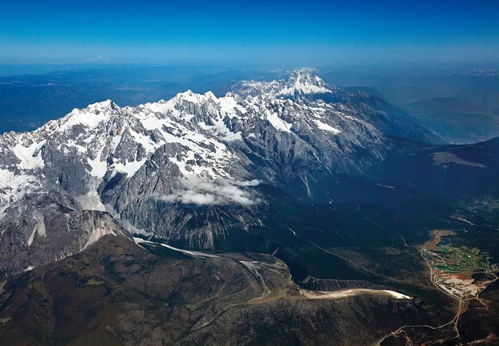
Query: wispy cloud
{"x": 201, "y": 191}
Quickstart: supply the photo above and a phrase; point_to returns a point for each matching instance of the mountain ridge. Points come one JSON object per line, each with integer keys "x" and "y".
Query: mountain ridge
{"x": 186, "y": 169}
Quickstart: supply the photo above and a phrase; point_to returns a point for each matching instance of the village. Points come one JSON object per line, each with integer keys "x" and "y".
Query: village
{"x": 455, "y": 269}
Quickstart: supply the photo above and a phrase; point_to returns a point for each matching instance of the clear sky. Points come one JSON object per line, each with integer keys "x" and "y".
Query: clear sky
{"x": 273, "y": 32}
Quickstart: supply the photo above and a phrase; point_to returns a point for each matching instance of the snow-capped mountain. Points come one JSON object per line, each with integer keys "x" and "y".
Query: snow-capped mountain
{"x": 300, "y": 82}
{"x": 183, "y": 169}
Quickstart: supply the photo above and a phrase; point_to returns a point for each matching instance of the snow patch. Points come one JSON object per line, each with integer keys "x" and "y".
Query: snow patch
{"x": 278, "y": 123}
{"x": 228, "y": 105}
{"x": 98, "y": 167}
{"x": 304, "y": 88}
{"x": 13, "y": 186}
{"x": 325, "y": 127}
{"x": 220, "y": 130}
{"x": 129, "y": 168}
{"x": 29, "y": 156}
{"x": 90, "y": 117}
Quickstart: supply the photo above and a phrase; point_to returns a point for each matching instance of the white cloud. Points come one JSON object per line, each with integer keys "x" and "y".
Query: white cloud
{"x": 253, "y": 182}
{"x": 213, "y": 192}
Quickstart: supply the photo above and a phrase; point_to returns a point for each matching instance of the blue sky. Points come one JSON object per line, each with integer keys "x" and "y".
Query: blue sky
{"x": 275, "y": 32}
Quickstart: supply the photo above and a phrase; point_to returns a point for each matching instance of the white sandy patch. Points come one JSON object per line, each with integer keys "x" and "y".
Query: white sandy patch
{"x": 191, "y": 253}
{"x": 350, "y": 293}
{"x": 443, "y": 158}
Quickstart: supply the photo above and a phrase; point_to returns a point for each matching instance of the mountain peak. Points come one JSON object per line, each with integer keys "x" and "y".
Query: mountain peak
{"x": 91, "y": 116}
{"x": 299, "y": 82}
{"x": 304, "y": 73}
{"x": 304, "y": 81}
{"x": 103, "y": 106}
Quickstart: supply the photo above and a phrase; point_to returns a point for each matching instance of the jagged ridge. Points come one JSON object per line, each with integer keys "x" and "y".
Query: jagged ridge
{"x": 148, "y": 165}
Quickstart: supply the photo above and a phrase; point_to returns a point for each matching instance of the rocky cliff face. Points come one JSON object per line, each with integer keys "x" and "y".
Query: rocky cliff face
{"x": 186, "y": 169}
